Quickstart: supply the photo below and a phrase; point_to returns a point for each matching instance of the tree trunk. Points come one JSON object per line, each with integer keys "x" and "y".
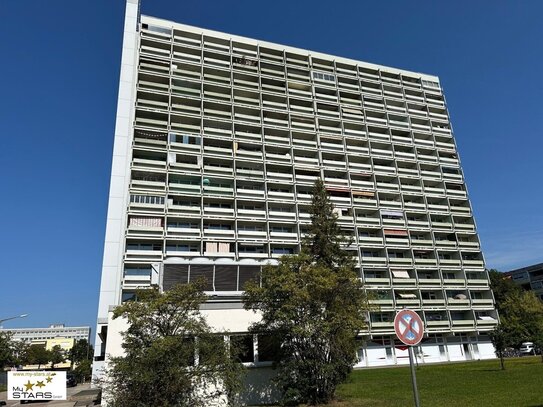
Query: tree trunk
{"x": 501, "y": 361}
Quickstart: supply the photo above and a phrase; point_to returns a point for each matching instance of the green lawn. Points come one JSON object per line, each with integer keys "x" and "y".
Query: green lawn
{"x": 479, "y": 383}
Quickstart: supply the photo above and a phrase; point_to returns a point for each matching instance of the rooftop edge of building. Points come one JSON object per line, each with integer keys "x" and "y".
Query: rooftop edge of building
{"x": 533, "y": 267}
{"x": 163, "y": 22}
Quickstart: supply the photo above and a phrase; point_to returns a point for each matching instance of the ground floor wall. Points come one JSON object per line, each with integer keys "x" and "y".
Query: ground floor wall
{"x": 374, "y": 350}
{"x": 435, "y": 348}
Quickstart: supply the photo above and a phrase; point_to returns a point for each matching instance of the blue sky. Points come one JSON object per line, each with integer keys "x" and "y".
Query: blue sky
{"x": 60, "y": 71}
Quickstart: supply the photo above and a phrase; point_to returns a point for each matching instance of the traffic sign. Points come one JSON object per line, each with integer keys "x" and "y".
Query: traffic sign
{"x": 408, "y": 327}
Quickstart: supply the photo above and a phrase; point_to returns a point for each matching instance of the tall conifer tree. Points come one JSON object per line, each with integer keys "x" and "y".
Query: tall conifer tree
{"x": 313, "y": 307}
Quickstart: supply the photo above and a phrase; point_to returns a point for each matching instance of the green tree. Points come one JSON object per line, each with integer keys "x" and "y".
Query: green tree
{"x": 56, "y": 355}
{"x": 171, "y": 356}
{"x": 81, "y": 351}
{"x": 38, "y": 355}
{"x": 314, "y": 305}
{"x": 83, "y": 370}
{"x": 522, "y": 315}
{"x": 502, "y": 287}
{"x": 20, "y": 353}
{"x": 500, "y": 339}
{"x": 6, "y": 350}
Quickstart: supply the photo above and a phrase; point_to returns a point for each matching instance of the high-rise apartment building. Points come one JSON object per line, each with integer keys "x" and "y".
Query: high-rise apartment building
{"x": 218, "y": 142}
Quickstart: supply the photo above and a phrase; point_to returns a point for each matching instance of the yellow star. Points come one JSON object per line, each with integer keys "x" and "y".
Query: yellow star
{"x": 49, "y": 378}
{"x": 40, "y": 384}
{"x": 29, "y": 386}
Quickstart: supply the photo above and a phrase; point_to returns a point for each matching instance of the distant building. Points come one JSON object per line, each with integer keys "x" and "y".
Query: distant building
{"x": 529, "y": 278}
{"x": 54, "y": 331}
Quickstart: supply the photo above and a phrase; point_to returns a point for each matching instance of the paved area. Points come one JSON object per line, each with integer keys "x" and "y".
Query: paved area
{"x": 69, "y": 392}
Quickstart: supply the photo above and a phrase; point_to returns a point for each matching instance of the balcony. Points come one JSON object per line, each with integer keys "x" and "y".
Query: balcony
{"x": 395, "y": 261}
{"x": 218, "y": 212}
{"x": 486, "y": 322}
{"x": 473, "y": 263}
{"x": 148, "y": 185}
{"x": 422, "y": 243}
{"x": 184, "y": 188}
{"x": 374, "y": 260}
{"x": 143, "y": 255}
{"x": 218, "y": 233}
{"x": 418, "y": 224}
{"x": 249, "y": 173}
{"x": 251, "y": 213}
{"x": 425, "y": 262}
{"x": 455, "y": 302}
{"x": 252, "y": 234}
{"x": 482, "y": 302}
{"x": 214, "y": 190}
{"x": 289, "y": 196}
{"x": 249, "y": 193}
{"x": 185, "y": 233}
{"x": 278, "y": 176}
{"x": 184, "y": 209}
{"x": 283, "y": 236}
{"x": 279, "y": 215}
{"x": 377, "y": 281}
{"x": 462, "y": 324}
{"x": 370, "y": 241}
{"x": 438, "y": 325}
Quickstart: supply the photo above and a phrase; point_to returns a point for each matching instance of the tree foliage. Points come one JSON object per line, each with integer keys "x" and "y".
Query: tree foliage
{"x": 171, "y": 356}
{"x": 83, "y": 371}
{"x": 521, "y": 315}
{"x": 502, "y": 287}
{"x": 81, "y": 351}
{"x": 38, "y": 355}
{"x": 313, "y": 304}
{"x": 56, "y": 355}
{"x": 6, "y": 350}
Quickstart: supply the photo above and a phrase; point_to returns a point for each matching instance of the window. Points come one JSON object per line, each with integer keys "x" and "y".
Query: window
{"x": 137, "y": 271}
{"x": 281, "y": 229}
{"x": 182, "y": 224}
{"x": 282, "y": 250}
{"x": 324, "y": 76}
{"x": 380, "y": 317}
{"x": 252, "y": 228}
{"x": 147, "y": 199}
{"x": 268, "y": 347}
{"x": 144, "y": 246}
{"x": 184, "y": 139}
{"x": 182, "y": 248}
{"x": 218, "y": 226}
{"x": 251, "y": 249}
{"x": 241, "y": 347}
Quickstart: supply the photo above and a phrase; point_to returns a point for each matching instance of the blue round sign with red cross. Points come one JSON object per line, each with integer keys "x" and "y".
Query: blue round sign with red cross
{"x": 408, "y": 327}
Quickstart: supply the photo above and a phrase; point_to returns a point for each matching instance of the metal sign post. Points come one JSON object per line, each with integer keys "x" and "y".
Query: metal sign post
{"x": 410, "y": 330}
{"x": 413, "y": 378}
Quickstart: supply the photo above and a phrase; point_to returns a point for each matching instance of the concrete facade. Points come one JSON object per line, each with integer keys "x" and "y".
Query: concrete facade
{"x": 218, "y": 142}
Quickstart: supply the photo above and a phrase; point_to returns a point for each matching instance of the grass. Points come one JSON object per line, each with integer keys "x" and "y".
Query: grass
{"x": 479, "y": 383}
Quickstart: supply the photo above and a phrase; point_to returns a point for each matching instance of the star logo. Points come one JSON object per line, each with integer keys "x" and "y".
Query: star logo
{"x": 49, "y": 379}
{"x": 40, "y": 384}
{"x": 29, "y": 386}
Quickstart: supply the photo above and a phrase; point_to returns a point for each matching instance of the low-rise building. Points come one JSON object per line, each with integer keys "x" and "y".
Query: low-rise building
{"x": 529, "y": 278}
{"x": 53, "y": 331}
